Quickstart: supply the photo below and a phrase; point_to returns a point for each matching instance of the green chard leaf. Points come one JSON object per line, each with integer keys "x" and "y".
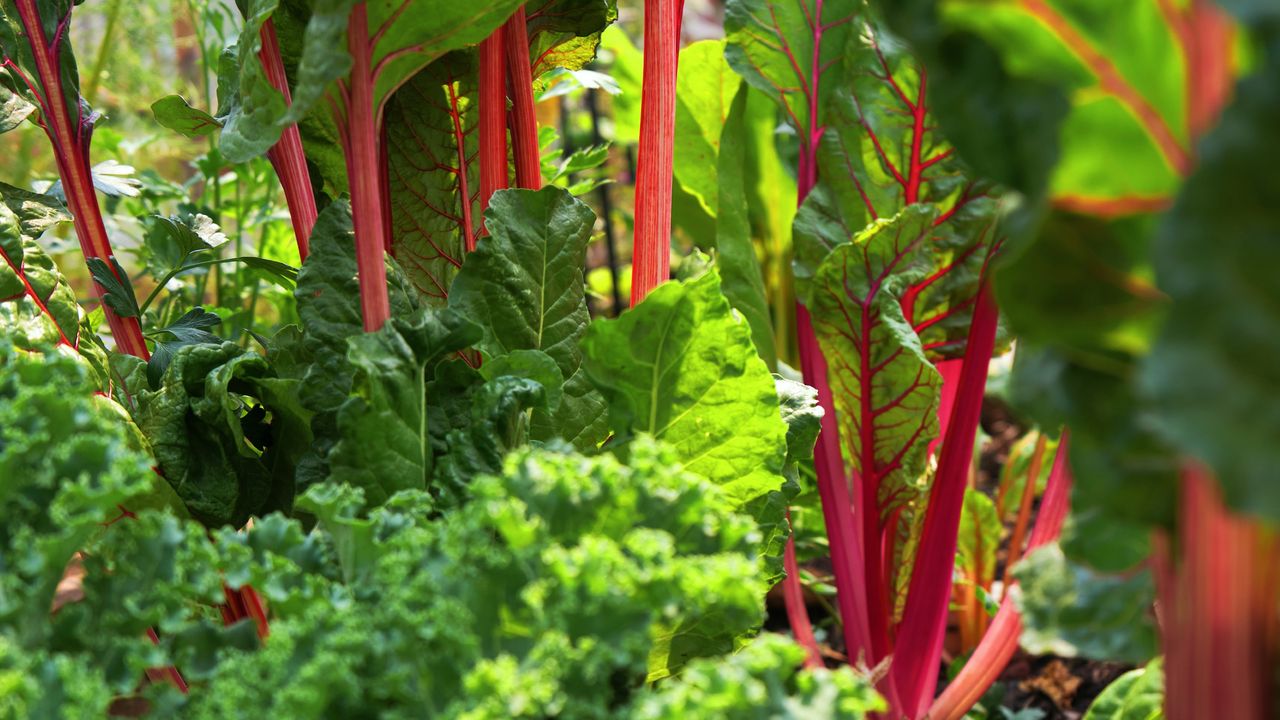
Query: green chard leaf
{"x": 979, "y": 537}
{"x": 681, "y": 368}
{"x": 872, "y": 164}
{"x": 383, "y": 442}
{"x": 886, "y": 392}
{"x": 524, "y": 286}
{"x": 565, "y": 33}
{"x": 711, "y": 166}
{"x": 38, "y": 308}
{"x": 328, "y": 296}
{"x": 774, "y": 47}
{"x": 1214, "y": 360}
{"x": 1070, "y": 610}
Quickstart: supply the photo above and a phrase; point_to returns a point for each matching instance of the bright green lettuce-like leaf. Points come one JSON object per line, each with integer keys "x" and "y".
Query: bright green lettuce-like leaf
{"x": 877, "y": 360}
{"x": 705, "y": 89}
{"x": 802, "y": 415}
{"x": 1135, "y": 695}
{"x": 524, "y": 286}
{"x": 1214, "y": 362}
{"x": 1069, "y": 610}
{"x": 711, "y": 167}
{"x": 681, "y": 368}
{"x": 627, "y": 68}
{"x": 736, "y": 259}
{"x": 173, "y": 112}
{"x": 763, "y": 681}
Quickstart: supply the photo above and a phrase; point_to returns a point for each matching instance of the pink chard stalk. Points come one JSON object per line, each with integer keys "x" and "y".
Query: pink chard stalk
{"x": 651, "y": 259}
{"x": 286, "y": 155}
{"x": 38, "y": 58}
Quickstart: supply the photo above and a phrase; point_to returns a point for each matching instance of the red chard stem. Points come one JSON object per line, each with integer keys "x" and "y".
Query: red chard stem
{"x": 286, "y": 155}
{"x": 651, "y": 254}
{"x": 924, "y": 622}
{"x": 70, "y": 138}
{"x": 493, "y": 120}
{"x": 364, "y": 173}
{"x": 524, "y": 120}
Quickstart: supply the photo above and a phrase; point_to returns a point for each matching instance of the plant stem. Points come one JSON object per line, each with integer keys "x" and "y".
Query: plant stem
{"x": 793, "y": 596}
{"x": 1024, "y": 509}
{"x": 181, "y": 269}
{"x": 70, "y": 138}
{"x": 524, "y": 120}
{"x": 924, "y": 621}
{"x": 361, "y": 143}
{"x": 493, "y": 119}
{"x": 651, "y": 254}
{"x": 286, "y": 155}
{"x": 998, "y": 645}
{"x": 104, "y": 47}
{"x": 843, "y": 527}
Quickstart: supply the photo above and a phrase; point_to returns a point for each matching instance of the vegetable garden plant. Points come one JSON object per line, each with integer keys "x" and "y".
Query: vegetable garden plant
{"x": 403, "y": 462}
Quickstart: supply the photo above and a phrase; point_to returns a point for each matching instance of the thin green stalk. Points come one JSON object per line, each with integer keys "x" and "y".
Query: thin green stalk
{"x": 181, "y": 269}
{"x": 100, "y": 58}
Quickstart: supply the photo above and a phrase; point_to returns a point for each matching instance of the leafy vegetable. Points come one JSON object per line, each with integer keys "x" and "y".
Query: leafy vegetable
{"x": 532, "y": 263}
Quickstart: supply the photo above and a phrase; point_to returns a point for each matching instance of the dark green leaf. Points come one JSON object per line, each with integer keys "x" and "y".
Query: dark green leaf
{"x": 117, "y": 291}
{"x": 524, "y": 286}
{"x": 1215, "y": 359}
{"x": 1069, "y": 610}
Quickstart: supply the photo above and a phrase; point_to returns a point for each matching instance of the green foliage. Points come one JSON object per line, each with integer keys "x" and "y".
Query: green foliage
{"x": 1213, "y": 358}
{"x": 710, "y": 164}
{"x": 1070, "y": 610}
{"x": 524, "y": 286}
{"x": 855, "y": 312}
{"x": 760, "y": 682}
{"x": 542, "y": 596}
{"x": 1135, "y": 695}
{"x": 682, "y": 368}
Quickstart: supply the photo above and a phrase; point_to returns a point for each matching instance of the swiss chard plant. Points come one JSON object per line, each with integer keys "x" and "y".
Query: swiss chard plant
{"x": 391, "y": 465}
